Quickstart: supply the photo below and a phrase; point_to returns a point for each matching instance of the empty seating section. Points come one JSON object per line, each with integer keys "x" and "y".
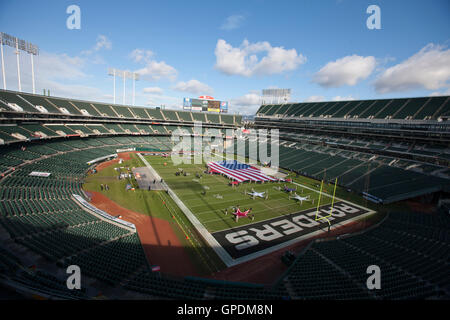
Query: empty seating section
{"x": 60, "y": 127}
{"x": 33, "y": 128}
{"x": 122, "y": 111}
{"x": 80, "y": 127}
{"x": 226, "y": 119}
{"x": 94, "y": 127}
{"x": 386, "y": 181}
{"x": 273, "y": 109}
{"x": 114, "y": 261}
{"x": 6, "y": 137}
{"x": 444, "y": 109}
{"x": 86, "y": 106}
{"x": 320, "y": 110}
{"x": 155, "y": 114}
{"x": 140, "y": 113}
{"x": 105, "y": 110}
{"x": 263, "y": 109}
{"x": 198, "y": 116}
{"x": 143, "y": 128}
{"x": 334, "y": 108}
{"x": 38, "y": 280}
{"x": 156, "y": 129}
{"x": 297, "y": 109}
{"x": 13, "y": 129}
{"x": 170, "y": 129}
{"x": 411, "y": 249}
{"x": 358, "y": 171}
{"x": 113, "y": 128}
{"x": 413, "y": 108}
{"x": 170, "y": 115}
{"x": 27, "y": 103}
{"x": 62, "y": 103}
{"x": 283, "y": 109}
{"x": 11, "y": 97}
{"x": 429, "y": 109}
{"x": 184, "y": 116}
{"x": 40, "y": 101}
{"x": 313, "y": 277}
{"x": 213, "y": 118}
{"x": 128, "y": 128}
{"x": 345, "y": 109}
{"x": 39, "y": 213}
{"x": 382, "y": 108}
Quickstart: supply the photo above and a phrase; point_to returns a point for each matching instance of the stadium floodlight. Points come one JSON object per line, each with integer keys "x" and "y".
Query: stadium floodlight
{"x": 271, "y": 95}
{"x": 18, "y": 44}
{"x": 135, "y": 76}
{"x": 112, "y": 72}
{"x": 124, "y": 74}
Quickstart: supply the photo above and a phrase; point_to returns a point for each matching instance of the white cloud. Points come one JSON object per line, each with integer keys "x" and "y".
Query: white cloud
{"x": 153, "y": 90}
{"x": 246, "y": 104}
{"x": 193, "y": 86}
{"x": 345, "y": 98}
{"x": 244, "y": 61}
{"x": 440, "y": 93}
{"x": 102, "y": 43}
{"x": 140, "y": 55}
{"x": 315, "y": 99}
{"x": 429, "y": 69}
{"x": 153, "y": 70}
{"x": 348, "y": 70}
{"x": 232, "y": 22}
{"x": 59, "y": 66}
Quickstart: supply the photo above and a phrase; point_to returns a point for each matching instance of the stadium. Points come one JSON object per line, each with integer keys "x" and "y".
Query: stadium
{"x": 184, "y": 203}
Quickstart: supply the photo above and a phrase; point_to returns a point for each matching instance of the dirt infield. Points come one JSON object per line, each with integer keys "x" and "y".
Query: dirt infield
{"x": 124, "y": 156}
{"x": 158, "y": 239}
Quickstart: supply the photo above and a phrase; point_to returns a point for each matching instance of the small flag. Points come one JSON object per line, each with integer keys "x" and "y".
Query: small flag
{"x": 156, "y": 268}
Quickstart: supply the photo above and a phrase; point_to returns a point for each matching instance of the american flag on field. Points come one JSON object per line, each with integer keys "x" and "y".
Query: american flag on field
{"x": 239, "y": 172}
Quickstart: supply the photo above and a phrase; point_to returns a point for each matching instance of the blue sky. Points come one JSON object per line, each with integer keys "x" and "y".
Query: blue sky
{"x": 231, "y": 50}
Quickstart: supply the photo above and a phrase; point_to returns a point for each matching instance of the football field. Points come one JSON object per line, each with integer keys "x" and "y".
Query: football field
{"x": 210, "y": 196}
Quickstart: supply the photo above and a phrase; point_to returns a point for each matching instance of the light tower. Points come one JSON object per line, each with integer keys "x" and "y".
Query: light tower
{"x": 271, "y": 96}
{"x": 18, "y": 44}
{"x": 135, "y": 76}
{"x": 123, "y": 74}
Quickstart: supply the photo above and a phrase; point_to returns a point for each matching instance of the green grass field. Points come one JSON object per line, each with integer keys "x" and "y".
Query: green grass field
{"x": 151, "y": 204}
{"x": 210, "y": 208}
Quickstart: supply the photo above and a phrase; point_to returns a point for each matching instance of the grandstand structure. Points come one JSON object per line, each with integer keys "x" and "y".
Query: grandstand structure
{"x": 387, "y": 149}
{"x": 38, "y": 215}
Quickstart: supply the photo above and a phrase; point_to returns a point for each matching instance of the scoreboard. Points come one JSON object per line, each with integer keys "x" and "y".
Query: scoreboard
{"x": 205, "y": 105}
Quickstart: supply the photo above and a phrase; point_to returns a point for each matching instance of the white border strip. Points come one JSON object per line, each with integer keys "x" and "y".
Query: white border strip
{"x": 114, "y": 155}
{"x": 102, "y": 213}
